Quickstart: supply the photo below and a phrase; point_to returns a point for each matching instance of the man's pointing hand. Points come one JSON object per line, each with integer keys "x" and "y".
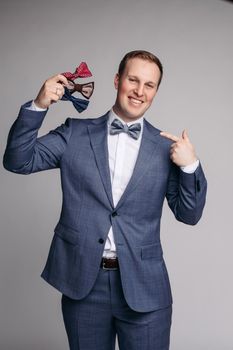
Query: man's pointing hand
{"x": 182, "y": 152}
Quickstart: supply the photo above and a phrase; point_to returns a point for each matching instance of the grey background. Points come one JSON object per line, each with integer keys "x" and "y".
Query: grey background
{"x": 193, "y": 38}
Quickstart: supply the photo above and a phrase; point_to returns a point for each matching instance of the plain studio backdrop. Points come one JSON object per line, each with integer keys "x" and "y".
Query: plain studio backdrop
{"x": 193, "y": 39}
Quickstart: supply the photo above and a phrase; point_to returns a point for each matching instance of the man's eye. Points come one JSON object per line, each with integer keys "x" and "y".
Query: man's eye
{"x": 131, "y": 79}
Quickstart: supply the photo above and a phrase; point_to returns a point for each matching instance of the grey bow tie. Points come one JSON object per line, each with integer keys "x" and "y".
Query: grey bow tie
{"x": 133, "y": 130}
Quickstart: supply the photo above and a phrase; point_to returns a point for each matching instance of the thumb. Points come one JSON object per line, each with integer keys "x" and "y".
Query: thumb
{"x": 185, "y": 135}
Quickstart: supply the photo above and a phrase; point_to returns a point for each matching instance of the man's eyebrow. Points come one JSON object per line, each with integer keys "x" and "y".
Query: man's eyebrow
{"x": 133, "y": 76}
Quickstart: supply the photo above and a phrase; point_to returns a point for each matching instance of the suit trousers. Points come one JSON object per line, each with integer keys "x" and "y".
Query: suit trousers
{"x": 92, "y": 323}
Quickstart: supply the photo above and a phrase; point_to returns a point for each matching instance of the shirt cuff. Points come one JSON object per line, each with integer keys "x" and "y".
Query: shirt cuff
{"x": 35, "y": 108}
{"x": 191, "y": 168}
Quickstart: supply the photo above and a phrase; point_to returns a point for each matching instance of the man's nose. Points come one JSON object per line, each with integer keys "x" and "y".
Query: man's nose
{"x": 139, "y": 90}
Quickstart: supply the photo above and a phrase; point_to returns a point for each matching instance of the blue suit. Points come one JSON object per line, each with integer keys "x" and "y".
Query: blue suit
{"x": 79, "y": 149}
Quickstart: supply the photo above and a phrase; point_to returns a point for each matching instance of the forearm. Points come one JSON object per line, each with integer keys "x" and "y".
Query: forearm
{"x": 25, "y": 153}
{"x": 21, "y": 140}
{"x": 186, "y": 194}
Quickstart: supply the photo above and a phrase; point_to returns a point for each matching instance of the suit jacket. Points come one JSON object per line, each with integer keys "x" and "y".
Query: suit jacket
{"x": 79, "y": 148}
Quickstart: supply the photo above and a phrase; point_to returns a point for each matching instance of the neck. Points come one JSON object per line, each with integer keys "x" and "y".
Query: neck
{"x": 123, "y": 117}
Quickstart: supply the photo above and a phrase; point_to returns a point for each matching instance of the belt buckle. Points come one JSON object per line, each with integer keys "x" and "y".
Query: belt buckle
{"x": 109, "y": 268}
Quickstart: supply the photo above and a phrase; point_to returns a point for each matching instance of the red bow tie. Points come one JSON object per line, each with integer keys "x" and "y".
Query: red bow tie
{"x": 82, "y": 71}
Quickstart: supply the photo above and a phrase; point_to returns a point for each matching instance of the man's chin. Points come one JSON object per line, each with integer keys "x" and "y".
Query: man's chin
{"x": 129, "y": 115}
{"x": 135, "y": 114}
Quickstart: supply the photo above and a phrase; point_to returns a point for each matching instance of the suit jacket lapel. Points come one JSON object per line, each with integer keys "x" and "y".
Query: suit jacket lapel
{"x": 149, "y": 143}
{"x": 98, "y": 137}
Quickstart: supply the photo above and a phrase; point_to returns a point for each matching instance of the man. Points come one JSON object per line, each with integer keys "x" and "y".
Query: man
{"x": 106, "y": 258}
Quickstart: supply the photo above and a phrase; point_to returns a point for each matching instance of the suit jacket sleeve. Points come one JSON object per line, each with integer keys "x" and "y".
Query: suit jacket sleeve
{"x": 186, "y": 194}
{"x": 25, "y": 153}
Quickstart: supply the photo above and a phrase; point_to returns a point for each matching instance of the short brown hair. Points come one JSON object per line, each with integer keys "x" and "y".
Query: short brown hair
{"x": 144, "y": 55}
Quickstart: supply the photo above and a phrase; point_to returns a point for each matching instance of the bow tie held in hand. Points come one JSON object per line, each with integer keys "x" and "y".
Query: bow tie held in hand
{"x": 133, "y": 130}
{"x": 82, "y": 71}
{"x": 86, "y": 90}
{"x": 79, "y": 103}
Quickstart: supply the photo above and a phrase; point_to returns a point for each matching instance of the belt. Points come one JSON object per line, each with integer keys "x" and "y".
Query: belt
{"x": 109, "y": 264}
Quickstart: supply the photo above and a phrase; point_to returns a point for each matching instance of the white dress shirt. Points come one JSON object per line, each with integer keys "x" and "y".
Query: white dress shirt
{"x": 123, "y": 151}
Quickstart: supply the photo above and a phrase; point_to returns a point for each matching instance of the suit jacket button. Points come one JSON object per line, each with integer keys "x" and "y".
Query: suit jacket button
{"x": 114, "y": 213}
{"x": 101, "y": 240}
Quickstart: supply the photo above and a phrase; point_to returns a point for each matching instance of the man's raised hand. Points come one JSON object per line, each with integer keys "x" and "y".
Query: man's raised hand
{"x": 51, "y": 91}
{"x": 182, "y": 152}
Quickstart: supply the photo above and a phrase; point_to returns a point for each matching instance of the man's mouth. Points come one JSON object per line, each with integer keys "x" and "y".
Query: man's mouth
{"x": 135, "y": 100}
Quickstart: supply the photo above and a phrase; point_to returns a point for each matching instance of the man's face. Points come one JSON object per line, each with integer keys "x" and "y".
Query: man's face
{"x": 136, "y": 88}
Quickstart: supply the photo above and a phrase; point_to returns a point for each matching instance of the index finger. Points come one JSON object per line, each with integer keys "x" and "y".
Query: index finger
{"x": 169, "y": 136}
{"x": 59, "y": 78}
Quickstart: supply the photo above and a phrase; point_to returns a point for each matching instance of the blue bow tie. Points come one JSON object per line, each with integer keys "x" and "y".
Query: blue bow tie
{"x": 133, "y": 130}
{"x": 79, "y": 104}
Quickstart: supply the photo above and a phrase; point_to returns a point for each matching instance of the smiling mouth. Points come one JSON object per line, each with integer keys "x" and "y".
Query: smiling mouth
{"x": 135, "y": 101}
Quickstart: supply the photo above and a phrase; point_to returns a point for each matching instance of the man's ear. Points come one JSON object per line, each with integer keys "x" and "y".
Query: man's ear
{"x": 116, "y": 81}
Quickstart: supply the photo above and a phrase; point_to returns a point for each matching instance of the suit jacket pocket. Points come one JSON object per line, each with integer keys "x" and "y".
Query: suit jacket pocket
{"x": 67, "y": 234}
{"x": 152, "y": 251}
{"x": 66, "y": 253}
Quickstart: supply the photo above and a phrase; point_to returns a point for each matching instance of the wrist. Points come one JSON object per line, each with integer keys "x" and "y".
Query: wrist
{"x": 191, "y": 161}
{"x": 37, "y": 107}
{"x": 191, "y": 168}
